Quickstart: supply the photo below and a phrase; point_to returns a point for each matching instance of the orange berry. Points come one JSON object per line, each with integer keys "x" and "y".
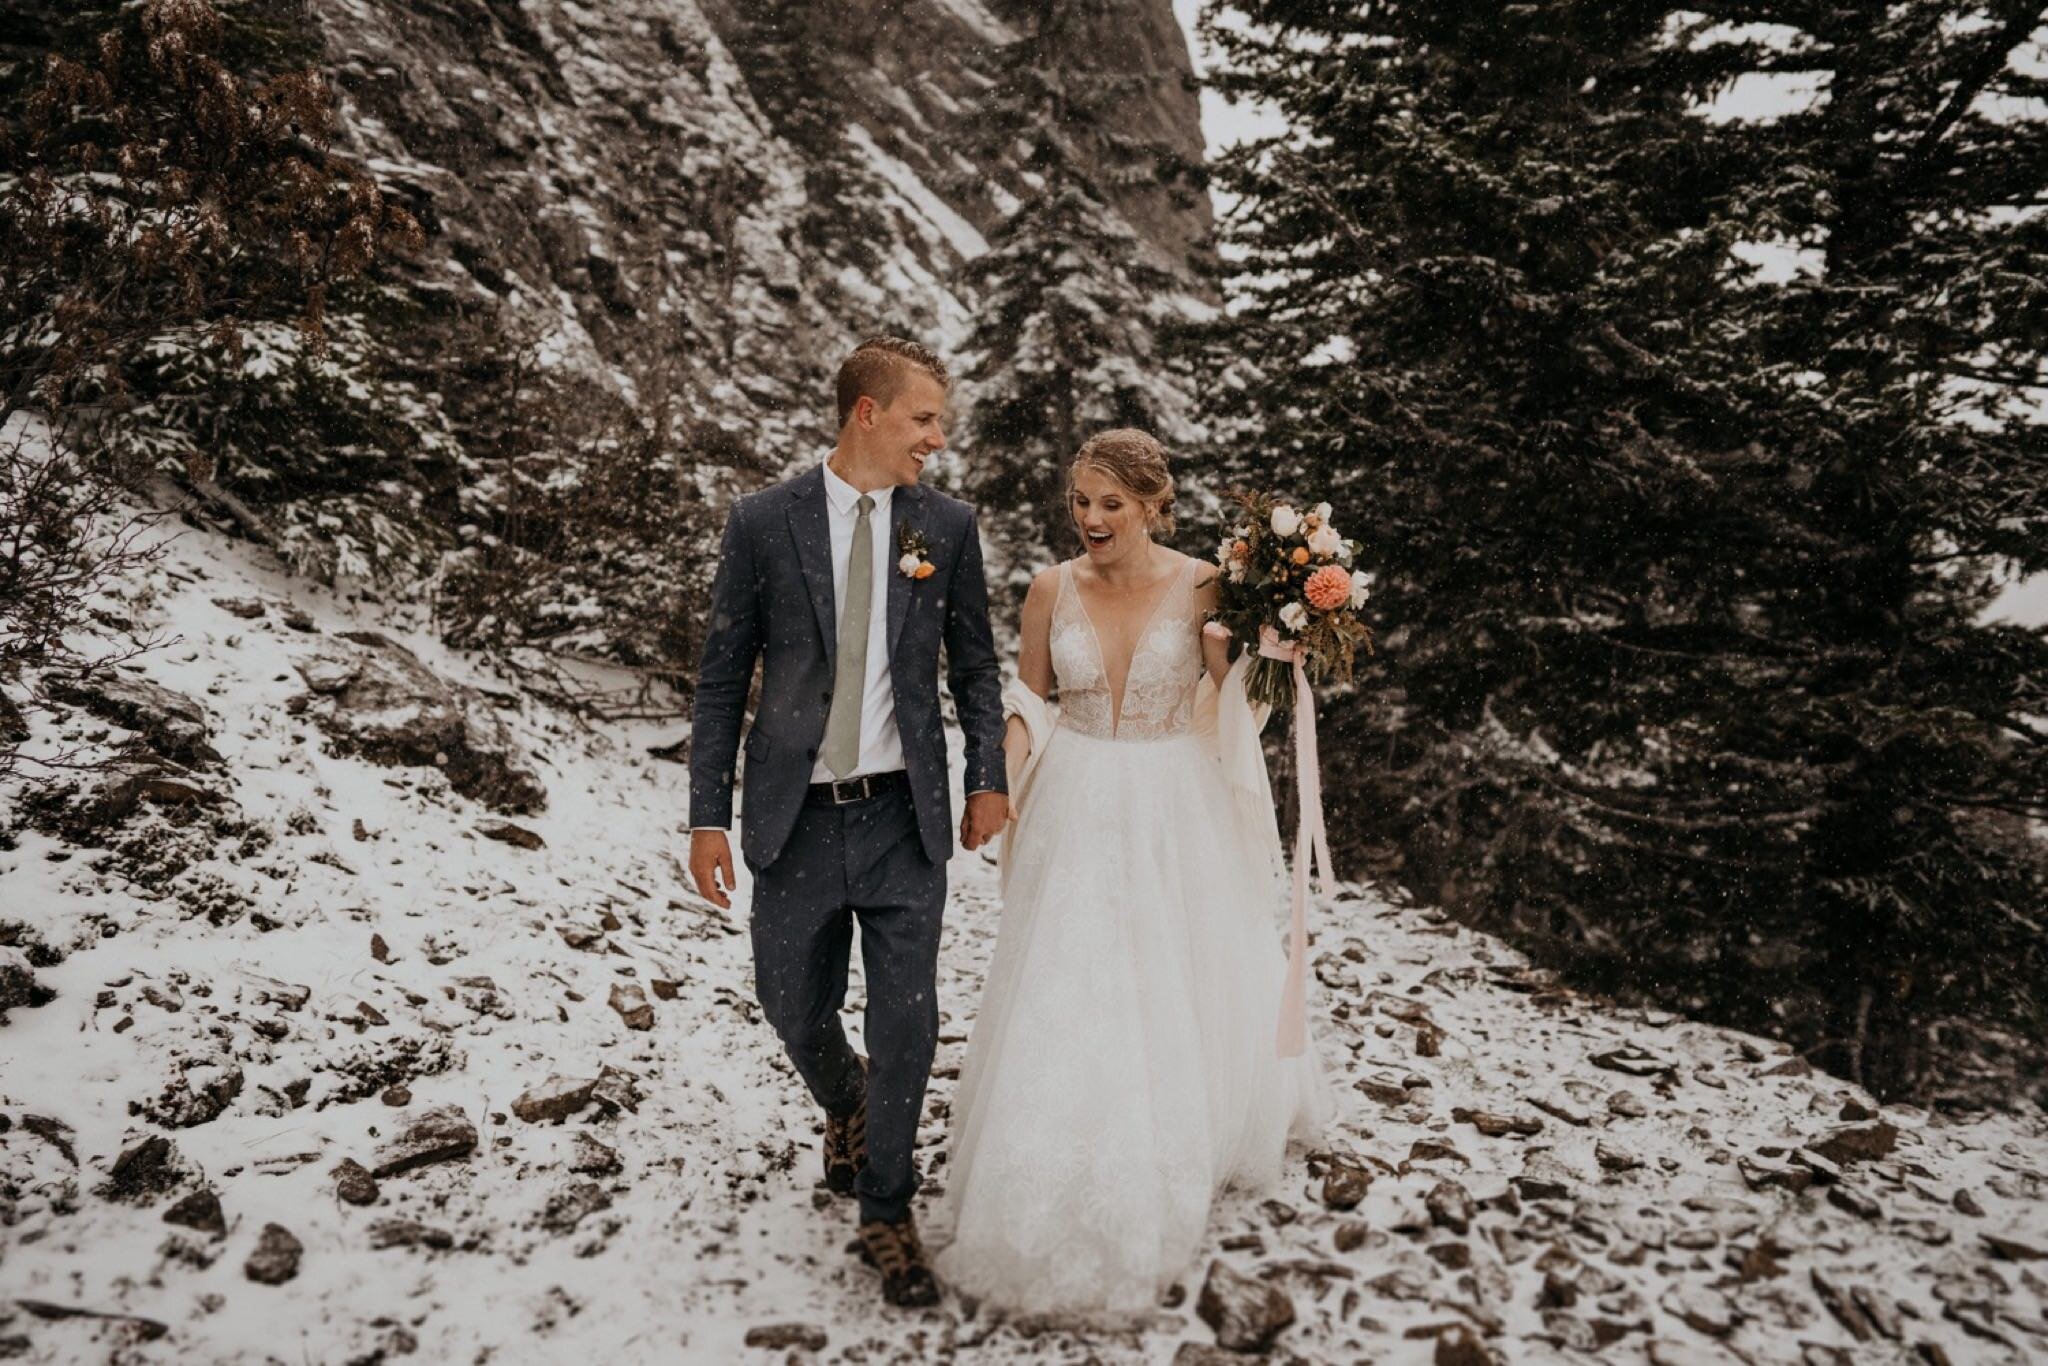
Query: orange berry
{"x": 1301, "y": 554}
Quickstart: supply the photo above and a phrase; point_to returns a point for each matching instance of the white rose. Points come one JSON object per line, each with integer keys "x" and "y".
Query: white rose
{"x": 1294, "y": 616}
{"x": 1286, "y": 521}
{"x": 1235, "y": 573}
{"x": 1324, "y": 541}
{"x": 908, "y": 564}
{"x": 1322, "y": 512}
{"x": 1361, "y": 588}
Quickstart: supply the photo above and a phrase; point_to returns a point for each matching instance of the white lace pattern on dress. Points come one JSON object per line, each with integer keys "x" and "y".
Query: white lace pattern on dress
{"x": 1166, "y": 663}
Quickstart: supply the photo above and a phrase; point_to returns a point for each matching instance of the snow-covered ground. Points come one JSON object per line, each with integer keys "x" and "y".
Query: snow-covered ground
{"x": 1561, "y": 1179}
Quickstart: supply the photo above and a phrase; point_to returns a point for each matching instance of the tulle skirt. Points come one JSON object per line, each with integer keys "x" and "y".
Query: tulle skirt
{"x": 1122, "y": 1067}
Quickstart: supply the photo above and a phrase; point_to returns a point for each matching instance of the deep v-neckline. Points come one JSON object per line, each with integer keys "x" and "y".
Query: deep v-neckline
{"x": 1116, "y": 694}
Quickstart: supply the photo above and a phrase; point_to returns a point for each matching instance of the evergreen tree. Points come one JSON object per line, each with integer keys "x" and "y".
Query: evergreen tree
{"x": 1067, "y": 301}
{"x": 1680, "y": 572}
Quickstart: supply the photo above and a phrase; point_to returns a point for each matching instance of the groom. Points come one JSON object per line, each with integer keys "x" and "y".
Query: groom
{"x": 843, "y": 583}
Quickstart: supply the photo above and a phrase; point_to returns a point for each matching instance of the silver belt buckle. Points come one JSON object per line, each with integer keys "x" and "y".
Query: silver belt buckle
{"x": 840, "y": 794}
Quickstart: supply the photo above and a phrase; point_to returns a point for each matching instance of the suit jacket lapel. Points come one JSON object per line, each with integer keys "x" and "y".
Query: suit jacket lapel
{"x": 906, "y": 510}
{"x": 810, "y": 524}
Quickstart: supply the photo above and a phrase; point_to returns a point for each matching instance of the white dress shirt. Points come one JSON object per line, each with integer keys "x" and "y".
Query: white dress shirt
{"x": 881, "y": 744}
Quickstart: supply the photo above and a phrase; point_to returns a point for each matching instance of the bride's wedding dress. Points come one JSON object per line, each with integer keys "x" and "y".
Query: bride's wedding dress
{"x": 1122, "y": 1068}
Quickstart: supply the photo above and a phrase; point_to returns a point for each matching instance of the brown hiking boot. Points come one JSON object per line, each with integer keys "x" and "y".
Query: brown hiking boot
{"x": 846, "y": 1143}
{"x": 893, "y": 1249}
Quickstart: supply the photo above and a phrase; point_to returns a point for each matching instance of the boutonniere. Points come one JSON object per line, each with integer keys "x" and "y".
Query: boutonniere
{"x": 916, "y": 562}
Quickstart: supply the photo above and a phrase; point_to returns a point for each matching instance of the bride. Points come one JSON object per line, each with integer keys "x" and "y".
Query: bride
{"x": 1123, "y": 1067}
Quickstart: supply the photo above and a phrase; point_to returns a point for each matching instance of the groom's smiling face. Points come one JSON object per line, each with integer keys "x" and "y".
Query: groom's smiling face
{"x": 909, "y": 430}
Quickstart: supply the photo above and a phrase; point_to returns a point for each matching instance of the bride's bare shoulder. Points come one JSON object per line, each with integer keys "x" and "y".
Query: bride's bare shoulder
{"x": 1045, "y": 587}
{"x": 1205, "y": 570}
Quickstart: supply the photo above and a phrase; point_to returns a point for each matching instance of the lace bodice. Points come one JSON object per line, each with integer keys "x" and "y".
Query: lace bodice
{"x": 1159, "y": 687}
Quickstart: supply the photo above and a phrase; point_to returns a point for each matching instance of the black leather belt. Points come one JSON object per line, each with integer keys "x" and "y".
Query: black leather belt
{"x": 856, "y": 789}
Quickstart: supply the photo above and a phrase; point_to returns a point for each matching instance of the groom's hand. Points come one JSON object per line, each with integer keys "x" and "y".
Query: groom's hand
{"x": 711, "y": 860}
{"x": 986, "y": 815}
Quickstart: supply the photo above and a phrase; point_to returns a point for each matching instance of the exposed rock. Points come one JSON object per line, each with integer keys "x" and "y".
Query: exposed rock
{"x": 18, "y": 985}
{"x": 1496, "y": 1125}
{"x": 353, "y": 1183}
{"x": 1204, "y": 1354}
{"x": 573, "y": 1204}
{"x": 170, "y": 723}
{"x": 379, "y": 702}
{"x": 388, "y": 1233}
{"x": 197, "y": 1094}
{"x": 1858, "y": 1143}
{"x": 1450, "y": 1206}
{"x": 248, "y": 609}
{"x": 554, "y": 1100}
{"x": 1458, "y": 1345}
{"x": 633, "y": 1006}
{"x": 276, "y": 1258}
{"x": 1385, "y": 1089}
{"x": 2013, "y": 1249}
{"x": 787, "y": 1337}
{"x": 145, "y": 1330}
{"x": 505, "y": 832}
{"x": 1762, "y": 1173}
{"x": 143, "y": 1171}
{"x": 199, "y": 1210}
{"x": 1837, "y": 1300}
{"x": 1345, "y": 1183}
{"x": 1614, "y": 1158}
{"x": 436, "y": 1135}
{"x": 1704, "y": 1310}
{"x": 1634, "y": 1062}
{"x": 617, "y": 1089}
{"x": 1627, "y": 1105}
{"x": 1558, "y": 1105}
{"x": 1245, "y": 1314}
{"x": 1435, "y": 1150}
{"x": 592, "y": 1158}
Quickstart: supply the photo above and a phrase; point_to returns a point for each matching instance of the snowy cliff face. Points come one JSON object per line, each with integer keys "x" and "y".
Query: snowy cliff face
{"x": 737, "y": 188}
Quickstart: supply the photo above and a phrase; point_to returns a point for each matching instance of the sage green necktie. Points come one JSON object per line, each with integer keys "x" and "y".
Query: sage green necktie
{"x": 850, "y": 670}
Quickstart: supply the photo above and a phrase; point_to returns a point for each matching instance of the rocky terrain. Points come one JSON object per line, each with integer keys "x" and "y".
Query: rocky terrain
{"x": 361, "y": 1013}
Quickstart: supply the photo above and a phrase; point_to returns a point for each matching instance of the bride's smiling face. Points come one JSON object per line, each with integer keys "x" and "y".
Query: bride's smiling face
{"x": 1113, "y": 522}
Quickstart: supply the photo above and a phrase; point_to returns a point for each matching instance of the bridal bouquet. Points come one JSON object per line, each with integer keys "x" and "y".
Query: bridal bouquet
{"x": 1288, "y": 571}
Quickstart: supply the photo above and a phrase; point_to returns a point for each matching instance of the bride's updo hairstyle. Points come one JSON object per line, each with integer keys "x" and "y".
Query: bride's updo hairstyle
{"x": 1136, "y": 461}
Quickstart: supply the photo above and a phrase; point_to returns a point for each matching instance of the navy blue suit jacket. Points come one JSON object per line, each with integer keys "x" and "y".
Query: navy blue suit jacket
{"x": 772, "y": 601}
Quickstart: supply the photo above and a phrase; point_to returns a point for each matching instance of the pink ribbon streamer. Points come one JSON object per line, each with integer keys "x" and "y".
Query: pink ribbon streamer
{"x": 1311, "y": 845}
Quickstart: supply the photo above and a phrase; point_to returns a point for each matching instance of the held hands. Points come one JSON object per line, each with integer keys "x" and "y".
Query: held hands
{"x": 986, "y": 815}
{"x": 711, "y": 862}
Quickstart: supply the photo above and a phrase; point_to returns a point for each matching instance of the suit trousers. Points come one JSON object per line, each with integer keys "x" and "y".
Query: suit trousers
{"x": 863, "y": 863}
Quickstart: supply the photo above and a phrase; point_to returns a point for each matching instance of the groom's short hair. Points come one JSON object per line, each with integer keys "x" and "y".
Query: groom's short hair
{"x": 878, "y": 368}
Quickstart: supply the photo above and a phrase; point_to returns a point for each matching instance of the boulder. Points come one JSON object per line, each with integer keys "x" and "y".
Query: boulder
{"x": 1858, "y": 1143}
{"x": 377, "y": 701}
{"x": 276, "y": 1258}
{"x": 787, "y": 1337}
{"x": 440, "y": 1134}
{"x": 1245, "y": 1314}
{"x": 199, "y": 1210}
{"x": 554, "y": 1100}
{"x": 353, "y": 1183}
{"x": 170, "y": 723}
{"x": 632, "y": 1005}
